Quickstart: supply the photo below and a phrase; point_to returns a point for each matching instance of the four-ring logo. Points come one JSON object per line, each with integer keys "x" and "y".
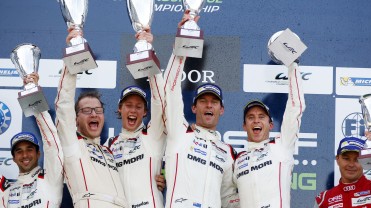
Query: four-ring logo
{"x": 349, "y": 188}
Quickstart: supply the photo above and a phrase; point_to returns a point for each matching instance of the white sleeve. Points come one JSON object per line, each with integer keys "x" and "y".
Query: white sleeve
{"x": 174, "y": 106}
{"x": 156, "y": 127}
{"x": 66, "y": 116}
{"x": 53, "y": 156}
{"x": 295, "y": 107}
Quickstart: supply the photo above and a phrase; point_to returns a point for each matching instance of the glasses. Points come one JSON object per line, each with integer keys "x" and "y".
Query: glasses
{"x": 88, "y": 110}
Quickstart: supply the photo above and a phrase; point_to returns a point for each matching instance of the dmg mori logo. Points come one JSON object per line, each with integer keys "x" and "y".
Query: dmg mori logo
{"x": 353, "y": 125}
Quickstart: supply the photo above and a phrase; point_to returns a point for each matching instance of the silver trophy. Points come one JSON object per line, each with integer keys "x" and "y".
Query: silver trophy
{"x": 26, "y": 58}
{"x": 143, "y": 62}
{"x": 78, "y": 57}
{"x": 365, "y": 155}
{"x": 189, "y": 39}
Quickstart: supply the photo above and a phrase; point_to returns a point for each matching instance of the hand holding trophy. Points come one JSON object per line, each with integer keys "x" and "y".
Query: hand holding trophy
{"x": 143, "y": 62}
{"x": 26, "y": 58}
{"x": 189, "y": 38}
{"x": 365, "y": 154}
{"x": 78, "y": 57}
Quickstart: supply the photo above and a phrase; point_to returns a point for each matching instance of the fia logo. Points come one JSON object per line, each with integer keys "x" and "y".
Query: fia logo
{"x": 353, "y": 125}
{"x": 5, "y": 117}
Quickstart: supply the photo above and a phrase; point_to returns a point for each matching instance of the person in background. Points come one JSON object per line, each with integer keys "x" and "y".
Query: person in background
{"x": 353, "y": 190}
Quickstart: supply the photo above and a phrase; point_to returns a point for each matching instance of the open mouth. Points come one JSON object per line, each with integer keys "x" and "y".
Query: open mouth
{"x": 26, "y": 162}
{"x": 209, "y": 113}
{"x": 132, "y": 120}
{"x": 94, "y": 124}
{"x": 257, "y": 129}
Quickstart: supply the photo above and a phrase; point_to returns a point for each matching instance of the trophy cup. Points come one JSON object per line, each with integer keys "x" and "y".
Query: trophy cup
{"x": 365, "y": 154}
{"x": 189, "y": 40}
{"x": 26, "y": 58}
{"x": 143, "y": 62}
{"x": 78, "y": 57}
{"x": 285, "y": 47}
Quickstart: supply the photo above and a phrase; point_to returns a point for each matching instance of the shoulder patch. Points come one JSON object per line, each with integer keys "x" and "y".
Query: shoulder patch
{"x": 112, "y": 140}
{"x": 4, "y": 184}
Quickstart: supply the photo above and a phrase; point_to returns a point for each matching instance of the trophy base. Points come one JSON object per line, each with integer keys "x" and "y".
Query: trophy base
{"x": 79, "y": 58}
{"x": 32, "y": 101}
{"x": 143, "y": 64}
{"x": 365, "y": 159}
{"x": 189, "y": 43}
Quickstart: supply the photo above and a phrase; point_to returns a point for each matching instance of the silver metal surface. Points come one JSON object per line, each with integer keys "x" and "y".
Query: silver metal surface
{"x": 141, "y": 16}
{"x": 74, "y": 13}
{"x": 365, "y": 101}
{"x": 26, "y": 59}
{"x": 194, "y": 6}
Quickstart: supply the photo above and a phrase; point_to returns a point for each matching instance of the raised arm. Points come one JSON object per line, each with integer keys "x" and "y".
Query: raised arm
{"x": 295, "y": 107}
{"x": 53, "y": 156}
{"x": 64, "y": 106}
{"x": 174, "y": 105}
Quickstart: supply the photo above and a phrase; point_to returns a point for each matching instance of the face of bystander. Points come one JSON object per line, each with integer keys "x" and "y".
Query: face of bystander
{"x": 350, "y": 168}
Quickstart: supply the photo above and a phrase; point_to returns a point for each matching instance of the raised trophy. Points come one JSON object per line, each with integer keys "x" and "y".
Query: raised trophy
{"x": 78, "y": 57}
{"x": 143, "y": 62}
{"x": 189, "y": 40}
{"x": 26, "y": 58}
{"x": 365, "y": 154}
{"x": 285, "y": 47}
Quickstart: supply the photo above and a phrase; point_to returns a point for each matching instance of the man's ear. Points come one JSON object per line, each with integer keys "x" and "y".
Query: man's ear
{"x": 194, "y": 108}
{"x": 222, "y": 110}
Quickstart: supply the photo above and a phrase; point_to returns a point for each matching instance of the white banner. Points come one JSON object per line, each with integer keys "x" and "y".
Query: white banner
{"x": 8, "y": 168}
{"x": 49, "y": 70}
{"x": 353, "y": 81}
{"x": 273, "y": 79}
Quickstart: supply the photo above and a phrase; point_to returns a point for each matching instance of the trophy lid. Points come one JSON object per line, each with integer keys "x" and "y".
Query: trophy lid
{"x": 26, "y": 58}
{"x": 74, "y": 12}
{"x": 194, "y": 6}
{"x": 270, "y": 41}
{"x": 140, "y": 13}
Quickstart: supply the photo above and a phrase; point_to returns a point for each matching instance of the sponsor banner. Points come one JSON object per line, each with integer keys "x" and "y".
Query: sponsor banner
{"x": 8, "y": 168}
{"x": 176, "y": 6}
{"x": 8, "y": 74}
{"x": 353, "y": 81}
{"x": 273, "y": 79}
{"x": 10, "y": 116}
{"x": 49, "y": 70}
{"x": 348, "y": 122}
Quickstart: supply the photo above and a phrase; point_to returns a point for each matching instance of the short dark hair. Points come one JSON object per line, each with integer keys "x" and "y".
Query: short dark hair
{"x": 91, "y": 94}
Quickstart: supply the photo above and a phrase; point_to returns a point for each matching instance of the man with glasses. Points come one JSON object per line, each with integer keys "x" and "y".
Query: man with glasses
{"x": 90, "y": 169}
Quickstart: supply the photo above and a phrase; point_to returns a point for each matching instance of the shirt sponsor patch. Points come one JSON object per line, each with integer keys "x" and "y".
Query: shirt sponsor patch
{"x": 361, "y": 200}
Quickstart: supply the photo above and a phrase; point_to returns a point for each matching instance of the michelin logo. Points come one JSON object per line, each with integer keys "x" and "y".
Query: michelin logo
{"x": 355, "y": 81}
{"x": 4, "y": 72}
{"x": 5, "y": 117}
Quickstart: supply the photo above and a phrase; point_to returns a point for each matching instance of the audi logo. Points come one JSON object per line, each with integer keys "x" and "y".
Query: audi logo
{"x": 349, "y": 188}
